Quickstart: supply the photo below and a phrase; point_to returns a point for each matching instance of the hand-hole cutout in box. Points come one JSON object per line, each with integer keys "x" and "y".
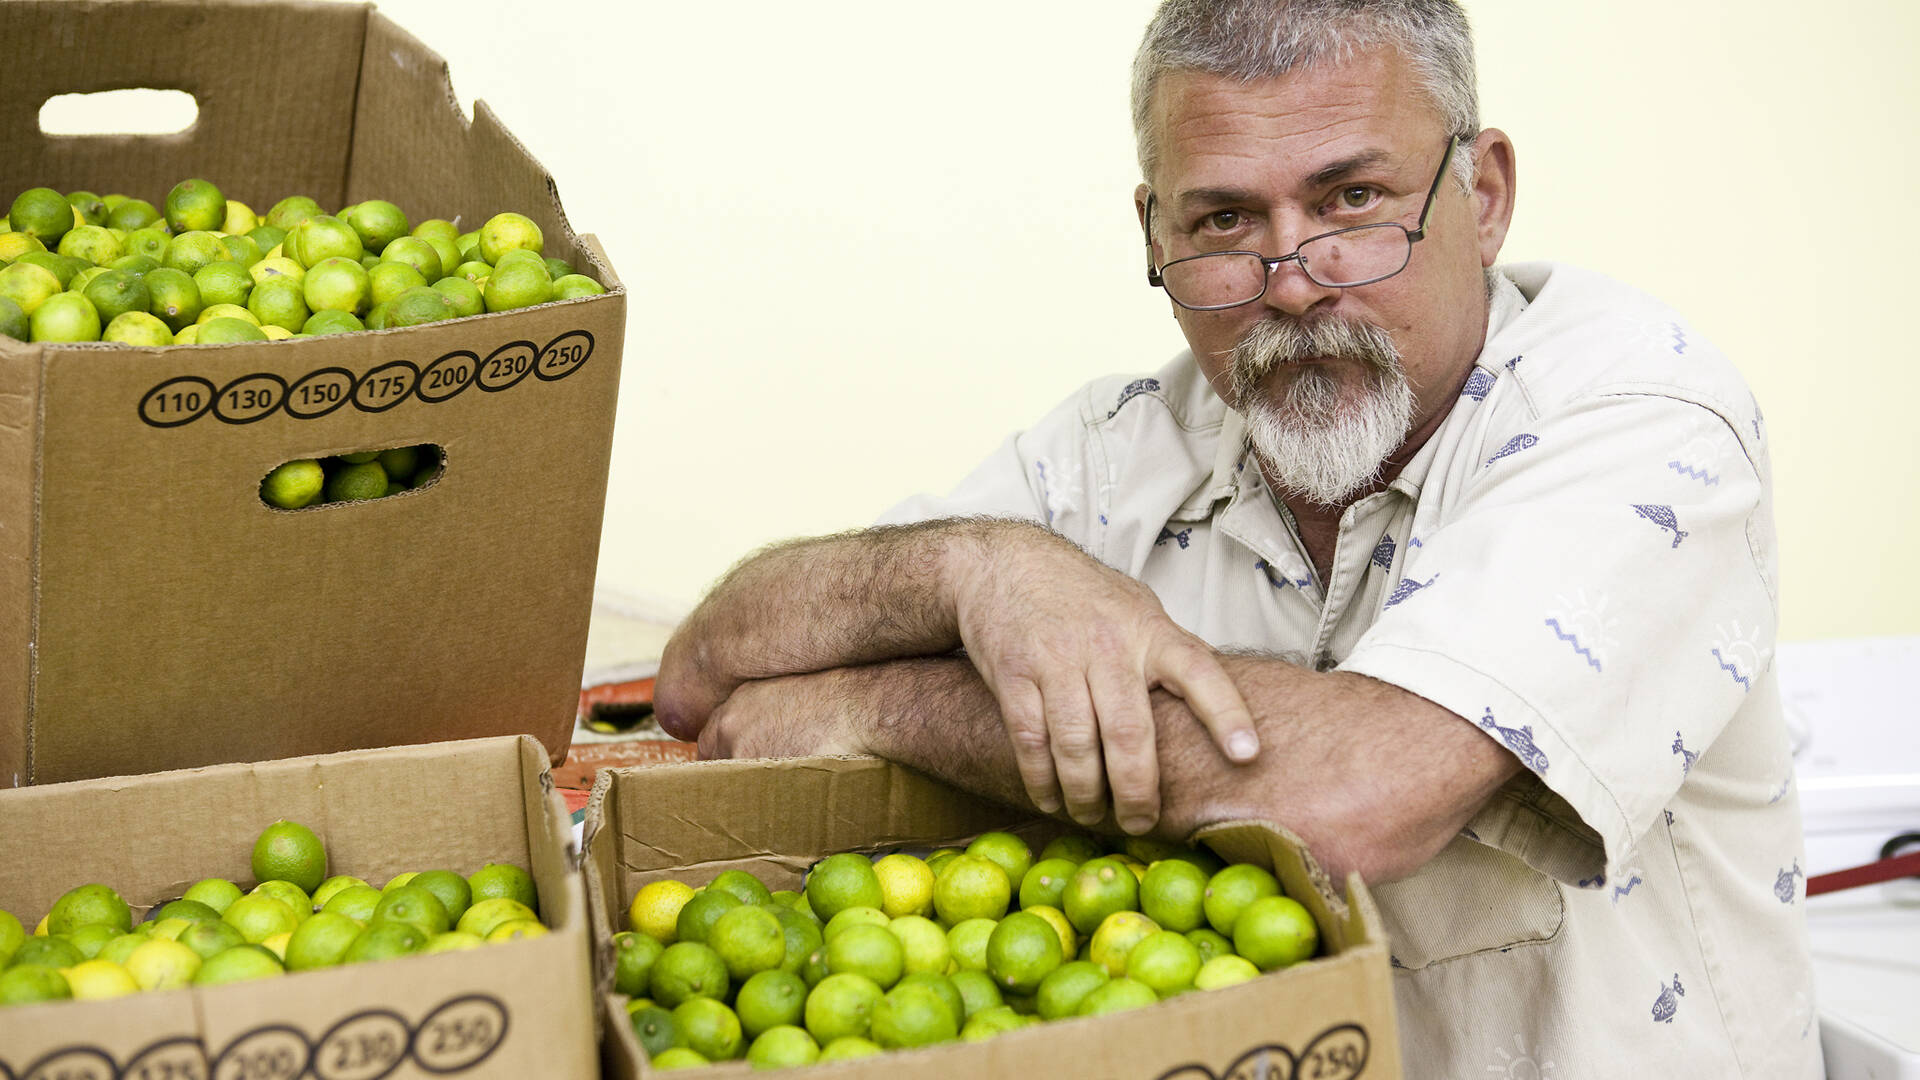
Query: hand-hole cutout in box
{"x": 305, "y": 483}
{"x": 120, "y": 112}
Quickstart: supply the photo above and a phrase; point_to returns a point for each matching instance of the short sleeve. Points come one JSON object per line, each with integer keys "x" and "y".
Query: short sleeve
{"x": 1593, "y": 599}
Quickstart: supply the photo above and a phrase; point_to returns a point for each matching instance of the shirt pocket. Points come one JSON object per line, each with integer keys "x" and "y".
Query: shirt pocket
{"x": 1469, "y": 899}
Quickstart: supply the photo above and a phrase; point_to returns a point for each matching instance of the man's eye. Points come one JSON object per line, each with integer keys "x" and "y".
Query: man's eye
{"x": 1223, "y": 220}
{"x": 1355, "y": 198}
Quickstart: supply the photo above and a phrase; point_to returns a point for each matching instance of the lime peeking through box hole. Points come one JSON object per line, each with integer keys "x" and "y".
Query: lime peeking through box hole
{"x": 369, "y": 474}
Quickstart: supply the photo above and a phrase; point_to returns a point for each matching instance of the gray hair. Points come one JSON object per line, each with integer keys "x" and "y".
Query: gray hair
{"x": 1264, "y": 39}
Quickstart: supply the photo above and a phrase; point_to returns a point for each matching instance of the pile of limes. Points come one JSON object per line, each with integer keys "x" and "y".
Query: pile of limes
{"x": 296, "y": 918}
{"x": 206, "y": 269}
{"x": 350, "y": 477}
{"x": 900, "y": 951}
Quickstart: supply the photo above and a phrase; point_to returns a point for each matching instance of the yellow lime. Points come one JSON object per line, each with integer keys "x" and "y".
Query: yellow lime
{"x": 971, "y": 887}
{"x": 239, "y": 218}
{"x": 515, "y": 929}
{"x": 162, "y": 965}
{"x": 281, "y": 267}
{"x": 1116, "y": 937}
{"x": 923, "y": 944}
{"x": 29, "y": 285}
{"x": 486, "y": 914}
{"x": 848, "y": 1046}
{"x": 507, "y": 232}
{"x": 94, "y": 980}
{"x": 1069, "y": 941}
{"x": 92, "y": 243}
{"x": 655, "y": 910}
{"x": 455, "y": 941}
{"x": 906, "y": 885}
{"x": 1224, "y": 971}
{"x": 241, "y": 963}
{"x": 336, "y": 284}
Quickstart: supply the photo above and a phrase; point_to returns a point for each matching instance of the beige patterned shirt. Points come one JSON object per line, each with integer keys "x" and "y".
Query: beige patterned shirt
{"x": 1580, "y": 562}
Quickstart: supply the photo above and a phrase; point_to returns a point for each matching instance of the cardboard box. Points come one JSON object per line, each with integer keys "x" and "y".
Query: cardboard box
{"x": 1331, "y": 1018}
{"x": 515, "y": 1009}
{"x": 154, "y": 612}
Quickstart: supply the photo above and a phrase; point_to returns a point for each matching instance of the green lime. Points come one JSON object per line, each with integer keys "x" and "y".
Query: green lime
{"x": 227, "y": 331}
{"x": 570, "y": 286}
{"x": 437, "y": 229}
{"x": 332, "y": 322}
{"x": 464, "y": 295}
{"x": 516, "y": 286}
{"x": 43, "y": 212}
{"x": 414, "y": 903}
{"x": 688, "y": 969}
{"x": 28, "y": 286}
{"x": 291, "y": 211}
{"x": 86, "y": 906}
{"x": 710, "y": 1028}
{"x": 1173, "y": 894}
{"x": 117, "y": 292}
{"x": 174, "y": 299}
{"x": 924, "y": 944}
{"x": 84, "y": 278}
{"x": 15, "y": 324}
{"x": 942, "y": 986}
{"x": 454, "y": 941}
{"x": 841, "y": 1005}
{"x": 267, "y": 237}
{"x": 783, "y": 1047}
{"x": 121, "y": 947}
{"x": 153, "y": 243}
{"x": 183, "y": 908}
{"x": 452, "y": 890}
{"x": 504, "y": 879}
{"x": 508, "y": 232}
{"x": 678, "y": 1057}
{"x": 321, "y": 941}
{"x": 386, "y": 280}
{"x": 356, "y": 902}
{"x": 277, "y": 301}
{"x": 12, "y": 936}
{"x": 557, "y": 268}
{"x": 1066, "y": 986}
{"x": 134, "y": 264}
{"x": 243, "y": 250}
{"x": 912, "y": 1015}
{"x": 208, "y": 939}
{"x": 92, "y": 244}
{"x": 468, "y": 244}
{"x": 655, "y": 1029}
{"x": 1115, "y": 938}
{"x": 64, "y": 268}
{"x": 1116, "y": 995}
{"x": 871, "y": 951}
{"x": 259, "y": 916}
{"x": 93, "y": 209}
{"x": 976, "y": 990}
{"x": 801, "y": 933}
{"x": 227, "y": 311}
{"x": 49, "y": 950}
{"x": 190, "y": 251}
{"x": 1166, "y": 961}
{"x": 417, "y": 253}
{"x": 1232, "y": 889}
{"x": 987, "y": 1023}
{"x": 474, "y": 272}
{"x": 65, "y": 317}
{"x": 971, "y": 887}
{"x": 1098, "y": 889}
{"x": 1274, "y": 932}
{"x": 1211, "y": 943}
{"x": 15, "y": 244}
{"x": 216, "y": 893}
{"x": 88, "y": 939}
{"x": 23, "y": 984}
{"x": 336, "y": 284}
{"x": 744, "y": 886}
{"x": 320, "y": 238}
{"x": 853, "y": 916}
{"x": 238, "y": 964}
{"x": 1224, "y": 971}
{"x": 132, "y": 214}
{"x": 842, "y": 881}
{"x": 699, "y": 914}
{"x": 384, "y": 941}
{"x": 350, "y": 483}
{"x": 1021, "y": 951}
{"x": 419, "y": 306}
{"x": 338, "y": 883}
{"x": 749, "y": 940}
{"x": 223, "y": 282}
{"x": 486, "y": 916}
{"x": 848, "y": 1046}
{"x": 769, "y": 999}
{"x": 289, "y": 851}
{"x": 377, "y": 222}
{"x": 968, "y": 941}
{"x": 1046, "y": 882}
{"x": 1007, "y": 850}
{"x": 195, "y": 204}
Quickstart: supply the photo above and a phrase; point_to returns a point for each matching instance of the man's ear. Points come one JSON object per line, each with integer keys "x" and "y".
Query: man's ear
{"x": 1140, "y": 214}
{"x": 1493, "y": 184}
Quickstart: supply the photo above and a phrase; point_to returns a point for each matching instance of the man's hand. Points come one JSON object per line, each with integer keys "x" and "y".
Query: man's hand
{"x": 1071, "y": 650}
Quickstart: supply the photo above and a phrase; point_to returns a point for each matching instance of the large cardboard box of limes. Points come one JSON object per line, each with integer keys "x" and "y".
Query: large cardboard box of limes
{"x": 511, "y": 1009}
{"x": 155, "y": 612}
{"x": 1330, "y": 1018}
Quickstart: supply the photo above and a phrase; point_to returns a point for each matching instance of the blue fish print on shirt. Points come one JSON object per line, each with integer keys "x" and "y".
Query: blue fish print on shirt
{"x": 1598, "y": 881}
{"x": 1478, "y": 384}
{"x": 1514, "y": 445}
{"x": 1687, "y": 757}
{"x": 1407, "y": 587}
{"x": 1620, "y": 891}
{"x": 1663, "y": 517}
{"x": 1383, "y": 552}
{"x": 1520, "y": 741}
{"x": 1783, "y": 885}
{"x": 1133, "y": 390}
{"x": 1277, "y": 578}
{"x": 1668, "y": 1002}
{"x": 1515, "y": 361}
{"x": 1182, "y": 537}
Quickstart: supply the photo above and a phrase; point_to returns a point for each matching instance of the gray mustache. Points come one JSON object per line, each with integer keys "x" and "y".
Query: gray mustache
{"x": 1273, "y": 342}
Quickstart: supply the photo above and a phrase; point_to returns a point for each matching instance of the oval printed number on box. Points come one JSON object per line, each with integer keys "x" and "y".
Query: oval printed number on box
{"x": 385, "y": 386}
{"x": 177, "y": 401}
{"x": 174, "y": 1059}
{"x": 274, "y": 1052}
{"x": 319, "y": 393}
{"x": 564, "y": 355}
{"x": 448, "y": 376}
{"x": 506, "y": 366}
{"x": 249, "y": 398}
{"x": 364, "y": 1046}
{"x": 460, "y": 1034}
{"x": 73, "y": 1063}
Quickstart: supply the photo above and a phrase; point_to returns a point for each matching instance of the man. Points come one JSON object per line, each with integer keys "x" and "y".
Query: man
{"x": 1466, "y": 576}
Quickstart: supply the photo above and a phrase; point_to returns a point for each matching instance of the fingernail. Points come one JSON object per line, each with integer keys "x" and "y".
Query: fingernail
{"x": 1089, "y": 818}
{"x": 1242, "y": 746}
{"x": 1135, "y": 826}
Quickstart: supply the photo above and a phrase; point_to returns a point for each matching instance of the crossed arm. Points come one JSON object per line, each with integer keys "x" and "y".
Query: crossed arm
{"x": 844, "y": 645}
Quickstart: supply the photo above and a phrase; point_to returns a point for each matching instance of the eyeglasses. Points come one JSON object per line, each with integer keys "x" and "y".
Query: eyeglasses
{"x": 1341, "y": 259}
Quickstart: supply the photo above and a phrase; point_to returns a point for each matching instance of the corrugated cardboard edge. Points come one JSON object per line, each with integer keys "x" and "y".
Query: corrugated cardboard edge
{"x": 22, "y": 379}
{"x": 595, "y": 878}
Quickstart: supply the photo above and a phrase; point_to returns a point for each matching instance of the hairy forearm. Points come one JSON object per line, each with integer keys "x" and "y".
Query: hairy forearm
{"x": 826, "y": 602}
{"x": 1374, "y": 779}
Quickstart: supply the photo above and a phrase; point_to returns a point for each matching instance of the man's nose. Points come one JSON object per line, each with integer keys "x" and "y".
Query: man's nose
{"x": 1289, "y": 289}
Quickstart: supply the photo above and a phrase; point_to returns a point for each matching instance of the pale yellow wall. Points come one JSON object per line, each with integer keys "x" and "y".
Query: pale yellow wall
{"x": 867, "y": 239}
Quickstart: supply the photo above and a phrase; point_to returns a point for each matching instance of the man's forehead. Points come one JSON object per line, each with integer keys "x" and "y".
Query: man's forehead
{"x": 1312, "y": 125}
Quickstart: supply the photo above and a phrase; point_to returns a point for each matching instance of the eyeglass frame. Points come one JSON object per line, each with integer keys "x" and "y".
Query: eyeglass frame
{"x": 1156, "y": 279}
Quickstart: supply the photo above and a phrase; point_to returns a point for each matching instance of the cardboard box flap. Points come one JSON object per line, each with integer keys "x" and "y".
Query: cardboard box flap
{"x": 413, "y": 146}
{"x": 264, "y": 130}
{"x": 19, "y": 437}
